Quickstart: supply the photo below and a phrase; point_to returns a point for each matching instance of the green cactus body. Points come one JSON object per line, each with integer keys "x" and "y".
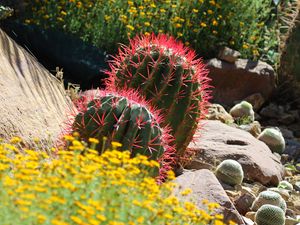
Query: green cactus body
{"x": 270, "y": 215}
{"x": 169, "y": 77}
{"x": 243, "y": 110}
{"x": 269, "y": 197}
{"x": 273, "y": 139}
{"x": 122, "y": 118}
{"x": 285, "y": 185}
{"x": 230, "y": 172}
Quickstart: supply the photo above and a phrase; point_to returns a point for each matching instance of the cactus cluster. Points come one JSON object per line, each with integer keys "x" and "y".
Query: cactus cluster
{"x": 270, "y": 215}
{"x": 169, "y": 76}
{"x": 230, "y": 172}
{"x": 269, "y": 197}
{"x": 273, "y": 138}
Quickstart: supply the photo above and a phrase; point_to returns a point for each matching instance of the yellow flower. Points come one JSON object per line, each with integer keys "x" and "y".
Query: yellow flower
{"x": 15, "y": 140}
{"x": 202, "y": 24}
{"x": 147, "y": 24}
{"x": 209, "y": 11}
{"x": 195, "y": 10}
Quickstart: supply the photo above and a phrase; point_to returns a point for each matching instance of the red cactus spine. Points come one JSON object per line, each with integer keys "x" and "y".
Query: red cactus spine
{"x": 125, "y": 118}
{"x": 169, "y": 76}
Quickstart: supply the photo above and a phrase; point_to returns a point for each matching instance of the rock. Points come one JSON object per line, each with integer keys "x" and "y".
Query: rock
{"x": 293, "y": 150}
{"x": 286, "y": 119}
{"x": 291, "y": 221}
{"x": 272, "y": 111}
{"x": 33, "y": 102}
{"x": 244, "y": 203}
{"x": 297, "y": 186}
{"x": 250, "y": 215}
{"x": 228, "y": 54}
{"x": 248, "y": 221}
{"x": 219, "y": 142}
{"x": 286, "y": 133}
{"x": 253, "y": 128}
{"x": 295, "y": 128}
{"x": 217, "y": 112}
{"x": 204, "y": 185}
{"x": 233, "y": 82}
{"x": 256, "y": 100}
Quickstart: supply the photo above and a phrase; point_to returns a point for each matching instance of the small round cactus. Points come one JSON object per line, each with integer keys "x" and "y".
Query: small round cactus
{"x": 268, "y": 197}
{"x": 243, "y": 110}
{"x": 285, "y": 185}
{"x": 270, "y": 215}
{"x": 230, "y": 172}
{"x": 273, "y": 138}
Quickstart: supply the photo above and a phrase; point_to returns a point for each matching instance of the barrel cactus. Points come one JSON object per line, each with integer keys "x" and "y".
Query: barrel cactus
{"x": 273, "y": 138}
{"x": 230, "y": 172}
{"x": 125, "y": 118}
{"x": 169, "y": 76}
{"x": 242, "y": 112}
{"x": 268, "y": 197}
{"x": 270, "y": 215}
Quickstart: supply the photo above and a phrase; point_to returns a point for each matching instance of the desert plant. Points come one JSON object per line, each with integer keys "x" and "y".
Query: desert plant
{"x": 122, "y": 117}
{"x": 269, "y": 215}
{"x": 230, "y": 172}
{"x": 285, "y": 185}
{"x": 273, "y": 138}
{"x": 76, "y": 185}
{"x": 242, "y": 112}
{"x": 5, "y": 12}
{"x": 269, "y": 197}
{"x": 169, "y": 76}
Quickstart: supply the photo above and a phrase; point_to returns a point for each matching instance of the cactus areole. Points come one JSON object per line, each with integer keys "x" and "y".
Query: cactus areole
{"x": 124, "y": 118}
{"x": 169, "y": 76}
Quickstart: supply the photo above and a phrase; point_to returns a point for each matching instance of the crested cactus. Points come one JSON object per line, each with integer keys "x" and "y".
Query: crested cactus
{"x": 167, "y": 74}
{"x": 125, "y": 118}
{"x": 270, "y": 215}
{"x": 273, "y": 138}
{"x": 230, "y": 172}
{"x": 285, "y": 185}
{"x": 268, "y": 197}
{"x": 242, "y": 111}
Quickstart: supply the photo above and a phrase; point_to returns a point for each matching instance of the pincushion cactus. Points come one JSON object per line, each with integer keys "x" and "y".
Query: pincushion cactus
{"x": 125, "y": 118}
{"x": 242, "y": 111}
{"x": 270, "y": 215}
{"x": 285, "y": 185}
{"x": 230, "y": 172}
{"x": 273, "y": 138}
{"x": 168, "y": 75}
{"x": 268, "y": 197}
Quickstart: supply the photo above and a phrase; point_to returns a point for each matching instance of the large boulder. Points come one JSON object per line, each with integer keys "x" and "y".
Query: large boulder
{"x": 236, "y": 81}
{"x": 219, "y": 142}
{"x": 33, "y": 102}
{"x": 205, "y": 186}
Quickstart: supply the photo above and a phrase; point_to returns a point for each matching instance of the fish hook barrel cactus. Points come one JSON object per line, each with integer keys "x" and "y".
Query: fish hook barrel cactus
{"x": 169, "y": 76}
{"x": 126, "y": 118}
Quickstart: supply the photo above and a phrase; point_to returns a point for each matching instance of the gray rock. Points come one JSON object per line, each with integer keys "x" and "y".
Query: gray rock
{"x": 293, "y": 150}
{"x": 219, "y": 142}
{"x": 228, "y": 54}
{"x": 205, "y": 185}
{"x": 286, "y": 133}
{"x": 272, "y": 111}
{"x": 286, "y": 119}
{"x": 233, "y": 82}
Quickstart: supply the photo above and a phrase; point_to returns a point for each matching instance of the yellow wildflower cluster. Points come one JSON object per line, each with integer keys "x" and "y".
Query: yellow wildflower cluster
{"x": 201, "y": 24}
{"x": 78, "y": 186}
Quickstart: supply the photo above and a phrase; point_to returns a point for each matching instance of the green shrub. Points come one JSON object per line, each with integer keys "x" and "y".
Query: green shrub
{"x": 247, "y": 26}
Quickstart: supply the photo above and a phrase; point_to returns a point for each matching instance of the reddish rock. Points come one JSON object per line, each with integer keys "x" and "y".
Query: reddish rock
{"x": 205, "y": 186}
{"x": 237, "y": 81}
{"x": 33, "y": 102}
{"x": 219, "y": 141}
